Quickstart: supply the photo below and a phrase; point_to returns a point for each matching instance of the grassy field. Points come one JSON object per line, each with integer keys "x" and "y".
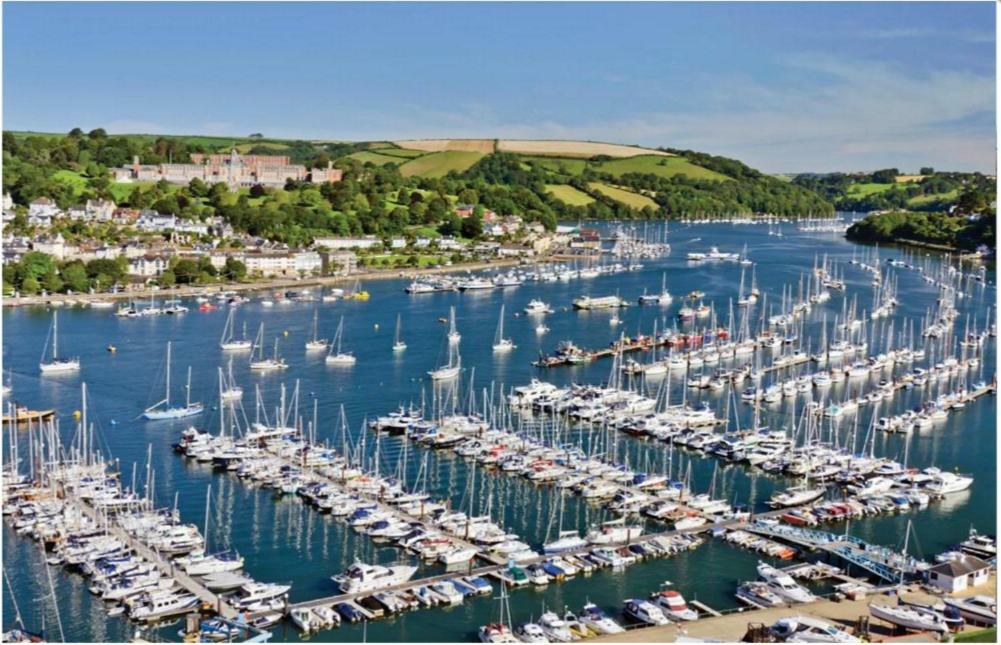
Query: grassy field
{"x": 439, "y": 164}
{"x": 73, "y": 179}
{"x": 866, "y": 189}
{"x": 989, "y": 635}
{"x": 630, "y": 199}
{"x": 560, "y": 165}
{"x": 935, "y": 197}
{"x": 569, "y": 194}
{"x": 583, "y": 149}
{"x": 377, "y": 158}
{"x": 661, "y": 166}
{"x": 244, "y": 148}
{"x": 399, "y": 152}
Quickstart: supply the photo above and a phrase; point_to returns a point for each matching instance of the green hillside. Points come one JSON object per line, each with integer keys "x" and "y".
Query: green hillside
{"x": 439, "y": 164}
{"x": 569, "y": 195}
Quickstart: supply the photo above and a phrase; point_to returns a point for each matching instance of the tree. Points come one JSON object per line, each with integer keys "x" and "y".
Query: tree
{"x": 74, "y": 275}
{"x": 30, "y": 286}
{"x": 186, "y": 271}
{"x": 472, "y": 227}
{"x": 450, "y": 225}
{"x": 234, "y": 269}
{"x": 167, "y": 278}
{"x": 97, "y": 133}
{"x": 52, "y": 282}
{"x": 926, "y": 170}
{"x": 257, "y": 190}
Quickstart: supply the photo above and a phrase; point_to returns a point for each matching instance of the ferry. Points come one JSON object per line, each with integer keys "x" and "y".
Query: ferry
{"x": 601, "y": 302}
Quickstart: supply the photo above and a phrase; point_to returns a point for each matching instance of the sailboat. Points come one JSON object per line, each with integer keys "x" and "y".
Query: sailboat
{"x": 162, "y": 409}
{"x": 502, "y": 344}
{"x": 264, "y": 364}
{"x": 230, "y": 344}
{"x": 451, "y": 369}
{"x": 453, "y": 332}
{"x": 56, "y": 364}
{"x": 316, "y": 344}
{"x": 398, "y": 344}
{"x": 662, "y": 298}
{"x": 340, "y": 357}
{"x": 228, "y": 389}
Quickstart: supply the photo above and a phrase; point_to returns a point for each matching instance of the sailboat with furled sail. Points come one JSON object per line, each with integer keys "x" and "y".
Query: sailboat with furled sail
{"x": 228, "y": 389}
{"x": 316, "y": 343}
{"x": 162, "y": 410}
{"x": 453, "y": 332}
{"x": 262, "y": 364}
{"x": 340, "y": 357}
{"x": 229, "y": 343}
{"x": 56, "y": 365}
{"x": 398, "y": 344}
{"x": 502, "y": 344}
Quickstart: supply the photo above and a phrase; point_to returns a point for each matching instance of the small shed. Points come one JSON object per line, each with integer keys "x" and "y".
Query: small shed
{"x": 959, "y": 574}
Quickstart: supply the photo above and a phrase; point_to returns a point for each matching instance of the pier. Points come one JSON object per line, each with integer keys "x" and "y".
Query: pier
{"x": 166, "y": 567}
{"x": 878, "y": 560}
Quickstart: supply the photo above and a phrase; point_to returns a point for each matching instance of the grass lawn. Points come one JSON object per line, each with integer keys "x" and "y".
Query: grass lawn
{"x": 429, "y": 232}
{"x": 381, "y": 260}
{"x": 244, "y": 148}
{"x": 661, "y": 166}
{"x": 378, "y": 159}
{"x": 561, "y": 165}
{"x": 935, "y": 197}
{"x": 439, "y": 164}
{"x": 866, "y": 189}
{"x": 72, "y": 179}
{"x": 630, "y": 199}
{"x": 989, "y": 635}
{"x": 569, "y": 194}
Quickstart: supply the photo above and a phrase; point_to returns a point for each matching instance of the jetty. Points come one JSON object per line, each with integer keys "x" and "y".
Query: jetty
{"x": 877, "y": 560}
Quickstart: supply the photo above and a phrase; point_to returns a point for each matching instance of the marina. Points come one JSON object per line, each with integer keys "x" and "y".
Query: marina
{"x": 680, "y": 466}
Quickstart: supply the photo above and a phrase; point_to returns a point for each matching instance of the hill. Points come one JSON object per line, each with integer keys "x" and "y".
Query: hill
{"x": 401, "y": 187}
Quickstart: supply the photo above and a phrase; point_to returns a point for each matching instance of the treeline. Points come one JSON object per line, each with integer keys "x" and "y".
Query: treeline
{"x": 967, "y": 192}
{"x": 934, "y": 228}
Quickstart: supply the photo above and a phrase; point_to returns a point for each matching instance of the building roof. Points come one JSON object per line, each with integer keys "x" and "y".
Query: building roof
{"x": 960, "y": 566}
{"x": 42, "y": 201}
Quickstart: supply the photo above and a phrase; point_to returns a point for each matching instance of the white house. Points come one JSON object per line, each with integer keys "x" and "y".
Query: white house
{"x": 8, "y": 201}
{"x": 149, "y": 265}
{"x": 957, "y": 575}
{"x": 307, "y": 262}
{"x": 269, "y": 265}
{"x": 99, "y": 210}
{"x": 155, "y": 222}
{"x": 41, "y": 211}
{"x": 397, "y": 243}
{"x": 53, "y": 245}
{"x": 337, "y": 243}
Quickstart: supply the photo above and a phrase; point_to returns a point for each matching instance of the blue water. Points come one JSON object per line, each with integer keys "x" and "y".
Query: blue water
{"x": 283, "y": 541}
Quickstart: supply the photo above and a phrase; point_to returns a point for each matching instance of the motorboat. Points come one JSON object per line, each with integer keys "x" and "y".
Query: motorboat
{"x": 538, "y": 307}
{"x": 594, "y": 618}
{"x": 555, "y": 628}
{"x": 644, "y": 612}
{"x": 673, "y": 604}
{"x": 783, "y": 584}
{"x": 758, "y": 594}
{"x": 981, "y": 610}
{"x": 796, "y": 496}
{"x": 372, "y": 577}
{"x": 806, "y": 629}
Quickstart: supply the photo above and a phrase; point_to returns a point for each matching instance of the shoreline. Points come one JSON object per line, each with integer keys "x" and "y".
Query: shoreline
{"x": 263, "y": 284}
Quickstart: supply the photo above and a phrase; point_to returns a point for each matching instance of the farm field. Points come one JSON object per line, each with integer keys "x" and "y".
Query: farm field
{"x": 574, "y": 148}
{"x": 630, "y": 199}
{"x": 927, "y": 199}
{"x": 569, "y": 194}
{"x": 660, "y": 166}
{"x": 439, "y": 164}
{"x": 483, "y": 146}
{"x": 376, "y": 157}
{"x": 866, "y": 189}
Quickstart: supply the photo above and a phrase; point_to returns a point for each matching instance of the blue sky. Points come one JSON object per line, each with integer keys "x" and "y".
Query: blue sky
{"x": 782, "y": 86}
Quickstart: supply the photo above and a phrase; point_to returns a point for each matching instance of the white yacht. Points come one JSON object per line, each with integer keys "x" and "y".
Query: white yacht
{"x": 372, "y": 577}
{"x": 783, "y": 584}
{"x": 316, "y": 344}
{"x": 162, "y": 409}
{"x": 796, "y": 496}
{"x": 228, "y": 343}
{"x": 806, "y": 629}
{"x": 56, "y": 365}
{"x": 337, "y": 356}
{"x": 645, "y": 612}
{"x": 537, "y": 307}
{"x": 502, "y": 344}
{"x": 398, "y": 344}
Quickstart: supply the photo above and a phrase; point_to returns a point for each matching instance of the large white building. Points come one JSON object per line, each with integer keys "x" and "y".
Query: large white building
{"x": 234, "y": 169}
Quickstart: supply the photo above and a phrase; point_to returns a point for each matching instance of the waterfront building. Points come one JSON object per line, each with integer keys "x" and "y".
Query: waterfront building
{"x": 234, "y": 170}
{"x": 959, "y": 574}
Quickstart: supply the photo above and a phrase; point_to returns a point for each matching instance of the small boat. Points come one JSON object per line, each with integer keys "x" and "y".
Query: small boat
{"x": 304, "y": 619}
{"x": 162, "y": 410}
{"x": 502, "y": 344}
{"x": 806, "y": 629}
{"x": 316, "y": 344}
{"x": 673, "y": 604}
{"x": 598, "y": 621}
{"x": 453, "y": 331}
{"x": 230, "y": 344}
{"x": 758, "y": 594}
{"x": 398, "y": 344}
{"x": 982, "y": 610}
{"x": 56, "y": 365}
{"x": 644, "y": 612}
{"x": 783, "y": 585}
{"x": 909, "y": 618}
{"x": 262, "y": 364}
{"x": 339, "y": 357}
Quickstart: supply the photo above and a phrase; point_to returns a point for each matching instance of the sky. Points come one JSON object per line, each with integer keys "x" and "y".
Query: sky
{"x": 784, "y": 87}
